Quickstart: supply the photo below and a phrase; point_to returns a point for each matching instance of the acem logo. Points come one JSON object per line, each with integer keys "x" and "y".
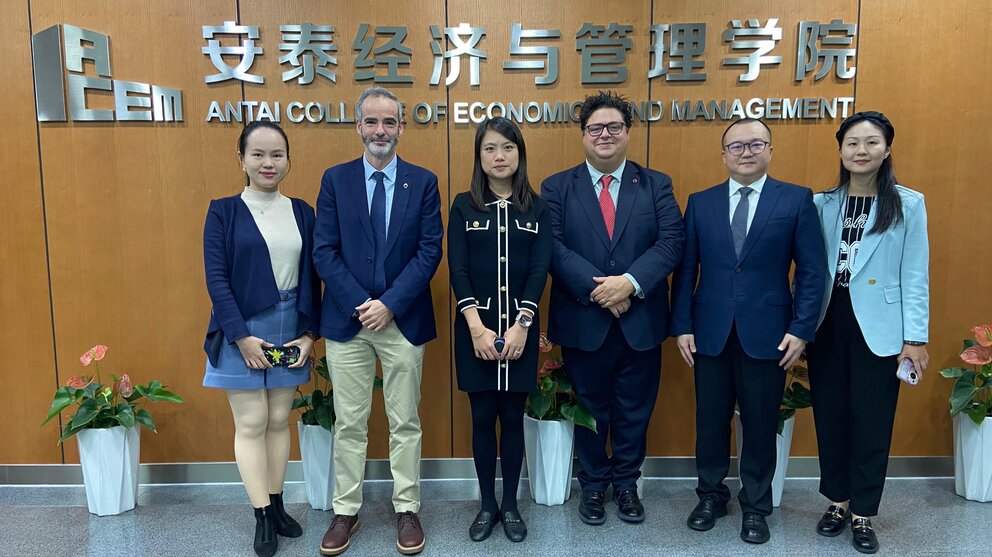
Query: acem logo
{"x": 131, "y": 98}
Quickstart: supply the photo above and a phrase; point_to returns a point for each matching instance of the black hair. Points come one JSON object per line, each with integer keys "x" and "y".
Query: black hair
{"x": 745, "y": 121}
{"x": 521, "y": 193}
{"x": 605, "y": 99}
{"x": 257, "y": 125}
{"x": 887, "y": 199}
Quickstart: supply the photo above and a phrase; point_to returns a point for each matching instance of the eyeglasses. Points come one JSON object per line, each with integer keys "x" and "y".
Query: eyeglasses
{"x": 737, "y": 148}
{"x": 614, "y": 128}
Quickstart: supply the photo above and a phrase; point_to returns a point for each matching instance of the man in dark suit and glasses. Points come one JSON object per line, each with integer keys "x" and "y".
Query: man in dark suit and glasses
{"x": 617, "y": 236}
{"x": 738, "y": 321}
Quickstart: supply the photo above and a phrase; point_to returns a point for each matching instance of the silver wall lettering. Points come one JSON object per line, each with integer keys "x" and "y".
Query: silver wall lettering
{"x": 686, "y": 42}
{"x": 465, "y": 38}
{"x": 604, "y": 52}
{"x": 246, "y": 51}
{"x": 760, "y": 48}
{"x": 76, "y": 50}
{"x": 124, "y": 102}
{"x": 550, "y": 53}
{"x": 167, "y": 104}
{"x": 77, "y": 86}
{"x": 306, "y": 44}
{"x": 49, "y": 84}
{"x": 808, "y": 53}
{"x": 392, "y": 54}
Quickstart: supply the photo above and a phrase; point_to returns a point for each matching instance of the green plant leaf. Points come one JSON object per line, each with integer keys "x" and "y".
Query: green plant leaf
{"x": 144, "y": 418}
{"x": 321, "y": 368}
{"x": 301, "y": 401}
{"x": 539, "y": 402}
{"x": 309, "y": 417}
{"x": 63, "y": 399}
{"x": 953, "y": 372}
{"x": 968, "y": 343}
{"x": 87, "y": 412}
{"x": 125, "y": 415}
{"x": 564, "y": 384}
{"x": 160, "y": 394}
{"x": 325, "y": 416}
{"x": 963, "y": 392}
{"x": 579, "y": 414}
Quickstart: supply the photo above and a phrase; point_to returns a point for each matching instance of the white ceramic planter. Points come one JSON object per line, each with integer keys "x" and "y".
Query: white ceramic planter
{"x": 973, "y": 459}
{"x": 783, "y": 444}
{"x": 109, "y": 459}
{"x": 549, "y": 459}
{"x": 317, "y": 453}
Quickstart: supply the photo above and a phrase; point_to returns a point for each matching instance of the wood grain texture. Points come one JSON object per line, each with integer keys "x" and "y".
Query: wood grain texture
{"x": 25, "y": 312}
{"x": 125, "y": 202}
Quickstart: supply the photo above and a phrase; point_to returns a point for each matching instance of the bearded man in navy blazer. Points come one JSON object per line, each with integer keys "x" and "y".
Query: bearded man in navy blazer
{"x": 617, "y": 236}
{"x": 737, "y": 320}
{"x": 377, "y": 243}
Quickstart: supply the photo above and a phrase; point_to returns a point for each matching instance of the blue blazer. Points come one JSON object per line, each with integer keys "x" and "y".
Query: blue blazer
{"x": 714, "y": 289}
{"x": 344, "y": 249}
{"x": 890, "y": 281}
{"x": 239, "y": 272}
{"x": 647, "y": 243}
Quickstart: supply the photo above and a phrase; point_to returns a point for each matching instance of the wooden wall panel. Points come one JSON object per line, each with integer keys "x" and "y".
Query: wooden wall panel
{"x": 125, "y": 202}
{"x": 316, "y": 147}
{"x": 25, "y": 311}
{"x": 125, "y": 205}
{"x": 551, "y": 147}
{"x": 927, "y": 70}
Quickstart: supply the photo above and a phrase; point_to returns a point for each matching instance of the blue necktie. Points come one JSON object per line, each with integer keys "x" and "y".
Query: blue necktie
{"x": 738, "y": 224}
{"x": 378, "y": 216}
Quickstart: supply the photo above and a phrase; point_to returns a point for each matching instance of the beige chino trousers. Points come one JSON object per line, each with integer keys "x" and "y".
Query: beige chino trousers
{"x": 352, "y": 369}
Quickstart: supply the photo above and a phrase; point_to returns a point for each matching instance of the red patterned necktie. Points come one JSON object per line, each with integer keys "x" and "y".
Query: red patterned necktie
{"x": 606, "y": 204}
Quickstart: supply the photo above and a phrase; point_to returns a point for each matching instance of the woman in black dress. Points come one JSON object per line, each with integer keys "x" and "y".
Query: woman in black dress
{"x": 499, "y": 251}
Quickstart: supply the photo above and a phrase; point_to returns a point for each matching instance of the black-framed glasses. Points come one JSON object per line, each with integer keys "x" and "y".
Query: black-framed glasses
{"x": 737, "y": 148}
{"x": 614, "y": 128}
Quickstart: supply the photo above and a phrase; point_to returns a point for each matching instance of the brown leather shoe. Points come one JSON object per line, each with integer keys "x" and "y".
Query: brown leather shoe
{"x": 409, "y": 535}
{"x": 338, "y": 534}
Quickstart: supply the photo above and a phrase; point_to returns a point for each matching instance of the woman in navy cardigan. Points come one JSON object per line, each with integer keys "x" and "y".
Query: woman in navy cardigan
{"x": 265, "y": 292}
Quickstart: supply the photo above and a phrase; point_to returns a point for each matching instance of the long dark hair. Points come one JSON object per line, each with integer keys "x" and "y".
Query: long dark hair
{"x": 521, "y": 193}
{"x": 887, "y": 201}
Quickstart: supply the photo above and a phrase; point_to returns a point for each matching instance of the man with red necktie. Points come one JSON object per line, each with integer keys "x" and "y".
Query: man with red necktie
{"x": 617, "y": 236}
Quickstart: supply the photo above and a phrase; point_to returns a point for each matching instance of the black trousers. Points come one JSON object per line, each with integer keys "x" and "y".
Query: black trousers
{"x": 756, "y": 386}
{"x": 619, "y": 386}
{"x": 854, "y": 407}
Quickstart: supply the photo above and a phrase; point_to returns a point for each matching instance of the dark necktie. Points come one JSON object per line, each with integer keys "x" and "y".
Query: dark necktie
{"x": 378, "y": 216}
{"x": 738, "y": 224}
{"x": 606, "y": 204}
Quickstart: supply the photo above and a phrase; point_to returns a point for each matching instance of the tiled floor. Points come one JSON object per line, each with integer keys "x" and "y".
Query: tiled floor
{"x": 918, "y": 517}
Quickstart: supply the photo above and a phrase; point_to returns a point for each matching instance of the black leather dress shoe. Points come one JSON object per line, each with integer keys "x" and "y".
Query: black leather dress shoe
{"x": 864, "y": 539}
{"x": 832, "y": 522}
{"x": 591, "y": 508}
{"x": 754, "y": 529}
{"x": 514, "y": 527}
{"x": 482, "y": 526}
{"x": 629, "y": 507}
{"x": 704, "y": 516}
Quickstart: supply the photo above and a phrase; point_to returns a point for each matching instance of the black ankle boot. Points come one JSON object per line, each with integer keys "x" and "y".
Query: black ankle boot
{"x": 286, "y": 526}
{"x": 265, "y": 532}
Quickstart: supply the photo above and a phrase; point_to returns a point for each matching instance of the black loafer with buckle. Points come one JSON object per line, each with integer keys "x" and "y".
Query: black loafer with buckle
{"x": 863, "y": 539}
{"x": 482, "y": 526}
{"x": 833, "y": 521}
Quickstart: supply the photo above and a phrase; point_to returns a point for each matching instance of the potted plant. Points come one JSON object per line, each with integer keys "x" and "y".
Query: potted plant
{"x": 795, "y": 397}
{"x": 104, "y": 424}
{"x": 971, "y": 395}
{"x": 316, "y": 429}
{"x": 552, "y": 412}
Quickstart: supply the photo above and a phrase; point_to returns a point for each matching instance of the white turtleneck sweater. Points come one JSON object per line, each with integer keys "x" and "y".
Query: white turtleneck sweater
{"x": 273, "y": 214}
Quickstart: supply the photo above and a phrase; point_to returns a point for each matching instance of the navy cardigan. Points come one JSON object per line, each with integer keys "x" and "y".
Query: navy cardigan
{"x": 239, "y": 272}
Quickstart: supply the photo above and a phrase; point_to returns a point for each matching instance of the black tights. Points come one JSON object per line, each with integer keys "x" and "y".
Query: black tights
{"x": 509, "y": 408}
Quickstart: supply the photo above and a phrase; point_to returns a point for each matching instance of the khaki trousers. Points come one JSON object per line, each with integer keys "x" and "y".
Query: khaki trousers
{"x": 352, "y": 369}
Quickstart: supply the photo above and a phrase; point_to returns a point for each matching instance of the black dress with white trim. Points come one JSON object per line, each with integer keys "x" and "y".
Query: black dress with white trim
{"x": 498, "y": 260}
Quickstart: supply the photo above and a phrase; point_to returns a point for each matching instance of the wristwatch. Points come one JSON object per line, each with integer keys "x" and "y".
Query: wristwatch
{"x": 913, "y": 343}
{"x": 525, "y": 320}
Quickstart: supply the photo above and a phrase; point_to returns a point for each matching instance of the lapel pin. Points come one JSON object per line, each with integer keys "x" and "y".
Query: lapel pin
{"x": 405, "y": 185}
{"x": 635, "y": 180}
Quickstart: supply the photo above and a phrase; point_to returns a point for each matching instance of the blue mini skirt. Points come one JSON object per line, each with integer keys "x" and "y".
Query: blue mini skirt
{"x": 276, "y": 325}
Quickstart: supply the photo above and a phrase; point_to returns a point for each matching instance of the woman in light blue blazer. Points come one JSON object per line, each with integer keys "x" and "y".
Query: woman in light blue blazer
{"x": 875, "y": 315}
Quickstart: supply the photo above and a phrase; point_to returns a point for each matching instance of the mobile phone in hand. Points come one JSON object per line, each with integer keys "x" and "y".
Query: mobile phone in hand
{"x": 282, "y": 355}
{"x": 907, "y": 372}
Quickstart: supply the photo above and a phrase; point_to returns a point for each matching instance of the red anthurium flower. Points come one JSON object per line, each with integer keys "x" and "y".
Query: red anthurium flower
{"x": 977, "y": 355}
{"x": 78, "y": 381}
{"x": 983, "y": 334}
{"x": 86, "y": 358}
{"x": 99, "y": 351}
{"x": 125, "y": 386}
